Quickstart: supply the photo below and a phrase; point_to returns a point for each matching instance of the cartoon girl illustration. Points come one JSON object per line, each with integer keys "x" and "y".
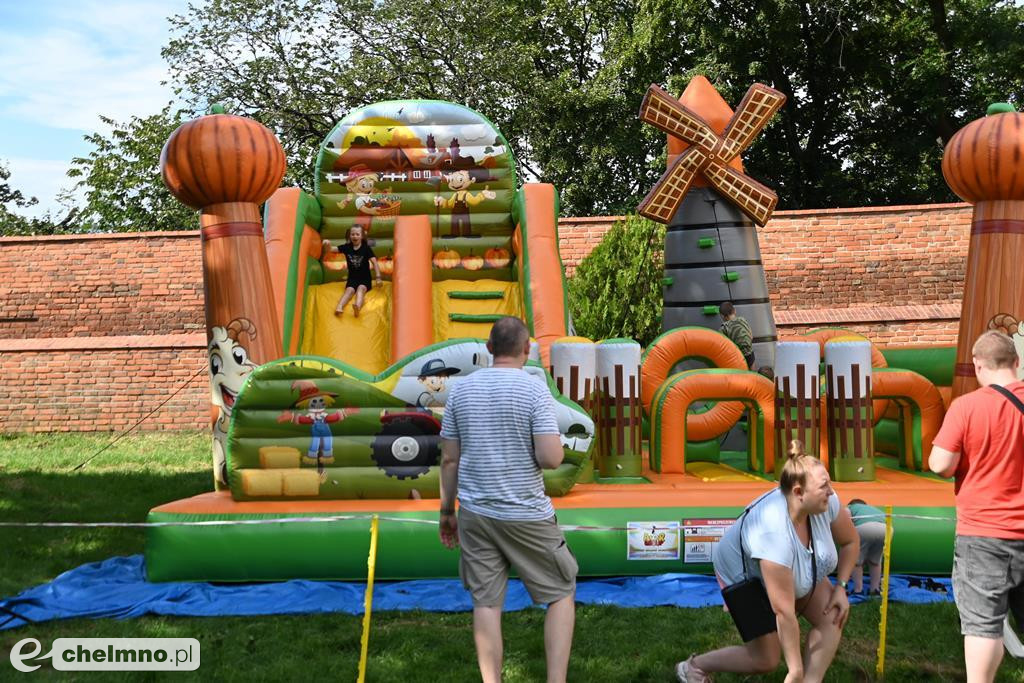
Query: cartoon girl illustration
{"x": 459, "y": 183}
{"x": 229, "y": 366}
{"x": 315, "y": 402}
{"x": 361, "y": 183}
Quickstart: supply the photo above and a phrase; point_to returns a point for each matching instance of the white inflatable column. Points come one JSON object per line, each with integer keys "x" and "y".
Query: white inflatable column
{"x": 619, "y": 412}
{"x": 574, "y": 369}
{"x": 797, "y": 398}
{"x": 848, "y": 410}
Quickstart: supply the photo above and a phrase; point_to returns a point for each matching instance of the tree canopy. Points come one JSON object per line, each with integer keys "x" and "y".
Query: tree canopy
{"x": 875, "y": 87}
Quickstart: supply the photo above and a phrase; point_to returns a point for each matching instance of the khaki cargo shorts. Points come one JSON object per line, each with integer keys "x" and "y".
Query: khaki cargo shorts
{"x": 536, "y": 550}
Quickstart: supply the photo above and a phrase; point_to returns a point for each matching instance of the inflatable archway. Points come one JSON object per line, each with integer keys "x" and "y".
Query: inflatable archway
{"x": 692, "y": 343}
{"x": 669, "y": 433}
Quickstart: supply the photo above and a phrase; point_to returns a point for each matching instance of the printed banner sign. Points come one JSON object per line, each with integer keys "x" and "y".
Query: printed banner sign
{"x": 701, "y": 536}
{"x": 652, "y": 540}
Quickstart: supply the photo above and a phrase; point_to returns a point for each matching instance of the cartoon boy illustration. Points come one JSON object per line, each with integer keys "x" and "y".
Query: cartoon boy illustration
{"x": 229, "y": 366}
{"x": 361, "y": 183}
{"x": 459, "y": 183}
{"x": 315, "y": 402}
{"x": 434, "y": 378}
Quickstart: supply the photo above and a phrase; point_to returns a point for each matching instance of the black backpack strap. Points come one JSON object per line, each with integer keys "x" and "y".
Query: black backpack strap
{"x": 1010, "y": 396}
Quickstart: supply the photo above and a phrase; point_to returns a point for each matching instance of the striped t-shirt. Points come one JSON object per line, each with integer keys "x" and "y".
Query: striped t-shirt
{"x": 494, "y": 414}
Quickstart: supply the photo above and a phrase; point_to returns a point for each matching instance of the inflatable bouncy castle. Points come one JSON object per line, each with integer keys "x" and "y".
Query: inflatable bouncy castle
{"x": 321, "y": 420}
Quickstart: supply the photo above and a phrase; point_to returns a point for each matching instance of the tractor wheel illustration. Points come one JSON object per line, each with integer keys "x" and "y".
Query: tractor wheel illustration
{"x": 408, "y": 445}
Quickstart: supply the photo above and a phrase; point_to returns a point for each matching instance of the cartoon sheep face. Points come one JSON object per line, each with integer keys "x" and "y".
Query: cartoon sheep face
{"x": 1009, "y": 324}
{"x": 229, "y": 364}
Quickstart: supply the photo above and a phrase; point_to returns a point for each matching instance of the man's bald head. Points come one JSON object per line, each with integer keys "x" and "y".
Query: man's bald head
{"x": 509, "y": 337}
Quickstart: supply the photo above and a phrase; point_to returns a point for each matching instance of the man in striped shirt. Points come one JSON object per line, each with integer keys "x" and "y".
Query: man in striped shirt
{"x": 499, "y": 431}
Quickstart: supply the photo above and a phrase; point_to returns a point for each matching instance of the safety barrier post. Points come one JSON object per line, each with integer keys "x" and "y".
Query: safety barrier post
{"x": 880, "y": 667}
{"x": 371, "y": 566}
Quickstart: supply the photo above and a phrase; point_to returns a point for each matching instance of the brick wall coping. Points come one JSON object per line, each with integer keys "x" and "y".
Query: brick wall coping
{"x": 194, "y": 340}
{"x": 194, "y": 234}
{"x": 800, "y": 213}
{"x": 866, "y": 314}
{"x": 85, "y": 237}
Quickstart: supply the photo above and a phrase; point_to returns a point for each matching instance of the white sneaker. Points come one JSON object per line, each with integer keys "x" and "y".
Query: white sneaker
{"x": 687, "y": 672}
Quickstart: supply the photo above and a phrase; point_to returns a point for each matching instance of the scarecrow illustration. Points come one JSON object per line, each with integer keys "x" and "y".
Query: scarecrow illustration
{"x": 361, "y": 183}
{"x": 315, "y": 402}
{"x": 229, "y": 366}
{"x": 459, "y": 183}
{"x": 434, "y": 378}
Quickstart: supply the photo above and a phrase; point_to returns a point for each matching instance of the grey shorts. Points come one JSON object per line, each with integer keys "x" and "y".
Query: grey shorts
{"x": 536, "y": 550}
{"x": 872, "y": 542}
{"x": 988, "y": 580}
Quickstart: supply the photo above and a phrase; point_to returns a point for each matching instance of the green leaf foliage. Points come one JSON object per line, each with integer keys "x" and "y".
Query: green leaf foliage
{"x": 121, "y": 182}
{"x": 14, "y": 223}
{"x": 616, "y": 290}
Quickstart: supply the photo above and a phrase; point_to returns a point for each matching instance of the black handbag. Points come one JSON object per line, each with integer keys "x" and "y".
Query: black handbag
{"x": 747, "y": 599}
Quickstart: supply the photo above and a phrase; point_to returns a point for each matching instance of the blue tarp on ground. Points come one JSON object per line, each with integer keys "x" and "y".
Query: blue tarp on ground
{"x": 118, "y": 588}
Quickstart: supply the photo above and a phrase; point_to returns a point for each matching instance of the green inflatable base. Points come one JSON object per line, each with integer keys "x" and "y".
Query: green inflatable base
{"x": 409, "y": 550}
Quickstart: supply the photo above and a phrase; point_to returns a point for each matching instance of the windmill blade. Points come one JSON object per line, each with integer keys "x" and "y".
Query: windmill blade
{"x": 661, "y": 202}
{"x": 753, "y": 198}
{"x": 757, "y": 108}
{"x": 665, "y": 112}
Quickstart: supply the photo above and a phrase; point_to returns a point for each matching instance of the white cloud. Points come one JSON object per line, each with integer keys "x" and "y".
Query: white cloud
{"x": 39, "y": 178}
{"x": 86, "y": 59}
{"x": 68, "y": 62}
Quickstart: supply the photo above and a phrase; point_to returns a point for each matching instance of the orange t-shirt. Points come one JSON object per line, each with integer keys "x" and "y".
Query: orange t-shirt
{"x": 988, "y": 432}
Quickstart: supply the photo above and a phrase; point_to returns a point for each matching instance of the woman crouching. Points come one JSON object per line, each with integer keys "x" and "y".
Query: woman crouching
{"x": 786, "y": 538}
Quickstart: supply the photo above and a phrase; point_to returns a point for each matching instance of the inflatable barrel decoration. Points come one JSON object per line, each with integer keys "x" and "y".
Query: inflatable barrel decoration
{"x": 619, "y": 411}
{"x": 848, "y": 410}
{"x": 574, "y": 369}
{"x": 797, "y": 398}
{"x": 227, "y": 166}
{"x": 984, "y": 165}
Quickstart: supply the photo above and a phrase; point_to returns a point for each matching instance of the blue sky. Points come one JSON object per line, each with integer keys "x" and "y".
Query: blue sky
{"x": 62, "y": 64}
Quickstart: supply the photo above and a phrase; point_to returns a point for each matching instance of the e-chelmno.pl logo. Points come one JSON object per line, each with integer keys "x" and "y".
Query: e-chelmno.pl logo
{"x": 109, "y": 654}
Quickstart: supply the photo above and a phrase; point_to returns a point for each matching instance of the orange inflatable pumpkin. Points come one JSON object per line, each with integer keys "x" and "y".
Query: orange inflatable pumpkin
{"x": 222, "y": 158}
{"x": 983, "y": 160}
{"x": 497, "y": 257}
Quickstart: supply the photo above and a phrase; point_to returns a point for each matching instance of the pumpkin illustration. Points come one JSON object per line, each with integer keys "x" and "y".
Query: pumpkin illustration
{"x": 222, "y": 158}
{"x": 497, "y": 257}
{"x": 333, "y": 260}
{"x": 472, "y": 262}
{"x": 386, "y": 265}
{"x": 446, "y": 259}
{"x": 982, "y": 161}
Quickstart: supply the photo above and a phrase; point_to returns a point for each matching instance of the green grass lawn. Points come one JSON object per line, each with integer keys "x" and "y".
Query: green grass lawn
{"x": 611, "y": 644}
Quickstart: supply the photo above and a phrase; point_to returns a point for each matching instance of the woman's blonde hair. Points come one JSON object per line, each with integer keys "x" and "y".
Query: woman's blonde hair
{"x": 798, "y": 464}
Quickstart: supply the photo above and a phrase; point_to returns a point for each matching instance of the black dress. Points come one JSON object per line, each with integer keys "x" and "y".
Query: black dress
{"x": 358, "y": 261}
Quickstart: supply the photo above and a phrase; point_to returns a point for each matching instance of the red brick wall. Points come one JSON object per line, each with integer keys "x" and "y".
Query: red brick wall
{"x": 97, "y": 330}
{"x": 868, "y": 256}
{"x": 107, "y": 389}
{"x": 99, "y": 285}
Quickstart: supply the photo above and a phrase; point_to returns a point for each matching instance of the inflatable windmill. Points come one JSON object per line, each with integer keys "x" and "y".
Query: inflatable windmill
{"x": 711, "y": 207}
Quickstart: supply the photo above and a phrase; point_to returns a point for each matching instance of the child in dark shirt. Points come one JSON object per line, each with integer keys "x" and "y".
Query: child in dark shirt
{"x": 359, "y": 257}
